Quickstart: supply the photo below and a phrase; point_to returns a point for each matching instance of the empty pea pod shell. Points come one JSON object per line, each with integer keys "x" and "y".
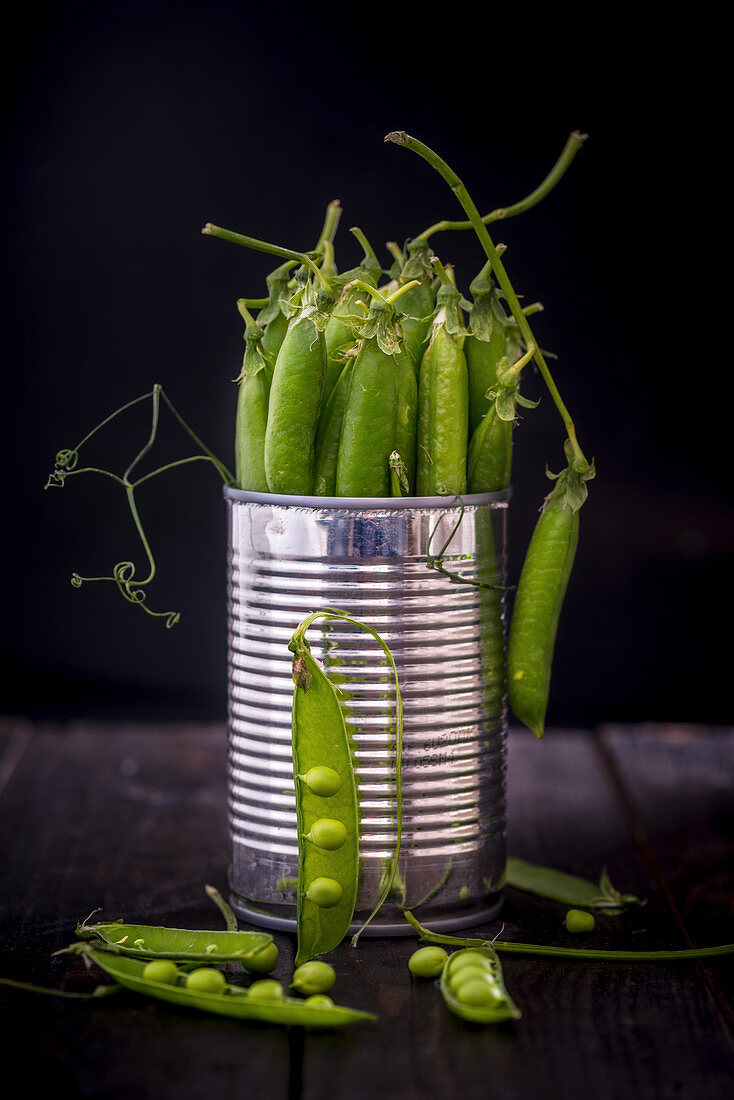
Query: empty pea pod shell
{"x": 233, "y": 1001}
{"x": 151, "y": 942}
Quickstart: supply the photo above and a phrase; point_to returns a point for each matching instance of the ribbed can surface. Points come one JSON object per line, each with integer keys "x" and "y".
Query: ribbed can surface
{"x": 371, "y": 559}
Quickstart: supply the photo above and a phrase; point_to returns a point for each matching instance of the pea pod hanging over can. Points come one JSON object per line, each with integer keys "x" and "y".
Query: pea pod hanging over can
{"x": 540, "y": 593}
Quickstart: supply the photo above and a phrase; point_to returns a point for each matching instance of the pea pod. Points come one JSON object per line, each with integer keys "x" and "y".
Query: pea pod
{"x": 144, "y": 941}
{"x": 443, "y": 411}
{"x": 539, "y": 598}
{"x": 339, "y": 333}
{"x": 327, "y": 877}
{"x": 326, "y": 800}
{"x": 473, "y": 988}
{"x": 489, "y": 460}
{"x": 374, "y": 419}
{"x": 233, "y": 1001}
{"x": 252, "y": 408}
{"x": 493, "y": 336}
{"x": 275, "y": 315}
{"x": 329, "y": 432}
{"x": 295, "y": 403}
{"x": 418, "y": 305}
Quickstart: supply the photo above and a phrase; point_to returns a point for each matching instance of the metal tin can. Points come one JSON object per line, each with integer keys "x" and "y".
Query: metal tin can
{"x": 427, "y": 574}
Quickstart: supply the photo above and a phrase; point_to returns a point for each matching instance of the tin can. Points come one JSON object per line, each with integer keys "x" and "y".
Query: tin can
{"x": 428, "y": 575}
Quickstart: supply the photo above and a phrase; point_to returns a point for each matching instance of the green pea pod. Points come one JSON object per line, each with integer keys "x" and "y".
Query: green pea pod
{"x": 234, "y": 1001}
{"x": 492, "y": 337}
{"x": 473, "y": 988}
{"x": 406, "y": 428}
{"x": 339, "y": 333}
{"x": 329, "y": 431}
{"x": 539, "y": 598}
{"x": 144, "y": 941}
{"x": 324, "y": 910}
{"x": 275, "y": 315}
{"x": 489, "y": 459}
{"x": 326, "y": 800}
{"x": 369, "y": 431}
{"x": 252, "y": 408}
{"x": 443, "y": 414}
{"x": 418, "y": 305}
{"x": 295, "y": 403}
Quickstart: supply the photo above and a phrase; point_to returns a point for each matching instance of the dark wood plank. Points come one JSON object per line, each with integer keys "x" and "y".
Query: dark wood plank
{"x": 131, "y": 819}
{"x": 587, "y": 1028}
{"x": 678, "y": 784}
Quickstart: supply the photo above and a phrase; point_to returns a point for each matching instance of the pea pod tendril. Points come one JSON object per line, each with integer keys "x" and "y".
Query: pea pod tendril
{"x": 511, "y": 948}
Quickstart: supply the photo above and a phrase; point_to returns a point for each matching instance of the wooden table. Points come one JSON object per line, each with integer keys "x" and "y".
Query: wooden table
{"x": 132, "y": 818}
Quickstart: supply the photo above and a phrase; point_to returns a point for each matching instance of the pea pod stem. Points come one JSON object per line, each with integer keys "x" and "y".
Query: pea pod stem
{"x": 399, "y": 137}
{"x": 511, "y": 948}
{"x": 305, "y": 258}
{"x": 573, "y": 143}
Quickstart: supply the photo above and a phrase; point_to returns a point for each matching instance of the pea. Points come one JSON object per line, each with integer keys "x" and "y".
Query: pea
{"x": 313, "y": 977}
{"x": 478, "y": 991}
{"x": 324, "y": 892}
{"x": 577, "y": 920}
{"x": 206, "y": 980}
{"x": 427, "y": 962}
{"x": 461, "y": 959}
{"x": 263, "y": 961}
{"x": 161, "y": 970}
{"x": 322, "y": 781}
{"x": 327, "y": 833}
{"x": 266, "y": 990}
{"x": 467, "y": 974}
{"x": 319, "y": 1000}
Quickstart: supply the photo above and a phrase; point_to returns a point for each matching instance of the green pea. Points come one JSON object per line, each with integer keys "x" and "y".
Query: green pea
{"x": 161, "y": 970}
{"x": 577, "y": 920}
{"x": 266, "y": 990}
{"x": 206, "y": 980}
{"x": 319, "y": 1000}
{"x": 478, "y": 991}
{"x": 313, "y": 977}
{"x": 427, "y": 962}
{"x": 324, "y": 892}
{"x": 461, "y": 959}
{"x": 327, "y": 833}
{"x": 263, "y": 961}
{"x": 467, "y": 974}
{"x": 322, "y": 781}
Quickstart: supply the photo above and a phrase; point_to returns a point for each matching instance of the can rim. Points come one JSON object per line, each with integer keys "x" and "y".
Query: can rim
{"x": 371, "y": 504}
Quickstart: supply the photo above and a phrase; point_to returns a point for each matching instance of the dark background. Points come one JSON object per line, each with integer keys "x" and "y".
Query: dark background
{"x": 127, "y": 126}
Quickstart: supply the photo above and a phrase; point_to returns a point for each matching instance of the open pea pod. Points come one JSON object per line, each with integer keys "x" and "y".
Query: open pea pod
{"x": 144, "y": 941}
{"x": 234, "y": 1001}
{"x": 473, "y": 988}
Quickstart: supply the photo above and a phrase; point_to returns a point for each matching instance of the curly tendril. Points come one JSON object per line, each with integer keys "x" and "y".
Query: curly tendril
{"x": 65, "y": 464}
